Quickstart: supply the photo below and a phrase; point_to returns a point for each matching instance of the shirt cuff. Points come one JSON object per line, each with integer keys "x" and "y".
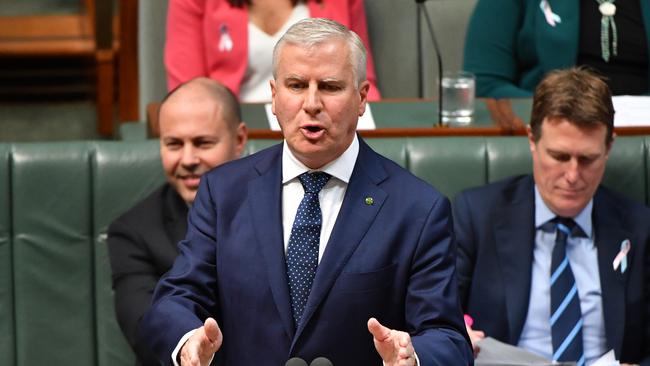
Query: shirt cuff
{"x": 180, "y": 345}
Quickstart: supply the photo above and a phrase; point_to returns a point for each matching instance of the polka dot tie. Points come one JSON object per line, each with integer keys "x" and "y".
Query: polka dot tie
{"x": 302, "y": 252}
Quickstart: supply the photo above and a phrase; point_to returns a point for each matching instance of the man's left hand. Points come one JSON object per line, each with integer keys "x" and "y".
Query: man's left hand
{"x": 394, "y": 346}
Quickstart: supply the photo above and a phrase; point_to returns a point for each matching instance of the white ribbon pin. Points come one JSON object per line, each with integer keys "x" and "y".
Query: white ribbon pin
{"x": 621, "y": 257}
{"x": 551, "y": 18}
{"x": 225, "y": 41}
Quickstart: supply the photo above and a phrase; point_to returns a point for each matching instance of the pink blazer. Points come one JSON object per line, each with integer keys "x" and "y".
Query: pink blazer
{"x": 194, "y": 30}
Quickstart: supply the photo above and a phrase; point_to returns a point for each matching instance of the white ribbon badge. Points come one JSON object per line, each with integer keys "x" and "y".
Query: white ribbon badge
{"x": 551, "y": 17}
{"x": 225, "y": 42}
{"x": 621, "y": 257}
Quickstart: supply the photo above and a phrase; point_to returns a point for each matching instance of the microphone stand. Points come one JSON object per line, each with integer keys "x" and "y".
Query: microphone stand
{"x": 423, "y": 8}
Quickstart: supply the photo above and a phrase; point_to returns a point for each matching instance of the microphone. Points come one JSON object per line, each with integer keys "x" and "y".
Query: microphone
{"x": 422, "y": 7}
{"x": 296, "y": 361}
{"x": 321, "y": 361}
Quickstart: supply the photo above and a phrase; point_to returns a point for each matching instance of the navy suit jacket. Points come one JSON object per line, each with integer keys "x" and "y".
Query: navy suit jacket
{"x": 495, "y": 232}
{"x": 392, "y": 259}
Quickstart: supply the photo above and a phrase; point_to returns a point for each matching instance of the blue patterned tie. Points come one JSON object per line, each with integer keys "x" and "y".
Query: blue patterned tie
{"x": 302, "y": 251}
{"x": 566, "y": 317}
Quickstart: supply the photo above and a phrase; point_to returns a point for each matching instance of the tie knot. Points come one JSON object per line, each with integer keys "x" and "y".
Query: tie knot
{"x": 313, "y": 182}
{"x": 568, "y": 226}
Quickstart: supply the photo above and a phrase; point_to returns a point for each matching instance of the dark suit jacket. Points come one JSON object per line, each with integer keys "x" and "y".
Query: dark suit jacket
{"x": 392, "y": 259}
{"x": 142, "y": 246}
{"x": 495, "y": 231}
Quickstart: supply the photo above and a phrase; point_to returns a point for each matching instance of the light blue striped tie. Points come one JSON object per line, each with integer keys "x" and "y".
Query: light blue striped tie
{"x": 566, "y": 318}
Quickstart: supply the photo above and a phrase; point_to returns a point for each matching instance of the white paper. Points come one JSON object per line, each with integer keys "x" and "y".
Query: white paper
{"x": 608, "y": 359}
{"x": 496, "y": 353}
{"x": 366, "y": 122}
{"x": 273, "y": 121}
{"x": 631, "y": 111}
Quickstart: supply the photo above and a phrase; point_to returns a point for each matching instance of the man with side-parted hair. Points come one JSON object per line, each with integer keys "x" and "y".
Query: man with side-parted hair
{"x": 315, "y": 247}
{"x": 554, "y": 262}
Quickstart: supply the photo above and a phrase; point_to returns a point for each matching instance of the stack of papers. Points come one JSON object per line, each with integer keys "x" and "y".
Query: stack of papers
{"x": 631, "y": 111}
{"x": 496, "y": 353}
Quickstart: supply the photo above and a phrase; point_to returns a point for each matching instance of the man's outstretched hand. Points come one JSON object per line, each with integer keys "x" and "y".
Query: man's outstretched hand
{"x": 393, "y": 346}
{"x": 202, "y": 345}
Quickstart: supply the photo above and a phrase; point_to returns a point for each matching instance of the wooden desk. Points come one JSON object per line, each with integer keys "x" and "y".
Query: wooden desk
{"x": 412, "y": 117}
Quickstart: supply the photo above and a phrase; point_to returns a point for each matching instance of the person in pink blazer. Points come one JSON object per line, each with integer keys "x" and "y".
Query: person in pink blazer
{"x": 210, "y": 37}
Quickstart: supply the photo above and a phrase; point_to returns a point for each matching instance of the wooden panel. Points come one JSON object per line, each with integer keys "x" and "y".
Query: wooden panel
{"x": 46, "y": 26}
{"x": 46, "y": 35}
{"x": 88, "y": 34}
{"x": 128, "y": 61}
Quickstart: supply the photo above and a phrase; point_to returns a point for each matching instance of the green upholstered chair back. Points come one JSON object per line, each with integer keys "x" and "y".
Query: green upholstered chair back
{"x": 7, "y": 332}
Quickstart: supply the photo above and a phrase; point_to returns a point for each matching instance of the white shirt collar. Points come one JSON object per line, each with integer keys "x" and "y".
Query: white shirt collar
{"x": 340, "y": 168}
{"x": 543, "y": 214}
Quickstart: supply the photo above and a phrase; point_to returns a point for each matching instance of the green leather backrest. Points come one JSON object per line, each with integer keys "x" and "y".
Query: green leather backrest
{"x": 507, "y": 156}
{"x": 7, "y": 345}
{"x": 626, "y": 167}
{"x": 53, "y": 254}
{"x": 394, "y": 149}
{"x": 449, "y": 164}
{"x": 121, "y": 178}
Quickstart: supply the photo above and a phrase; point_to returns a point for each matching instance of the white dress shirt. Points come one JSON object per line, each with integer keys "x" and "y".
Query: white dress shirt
{"x": 330, "y": 197}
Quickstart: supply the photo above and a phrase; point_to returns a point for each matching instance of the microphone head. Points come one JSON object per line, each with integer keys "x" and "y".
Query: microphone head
{"x": 321, "y": 361}
{"x": 296, "y": 361}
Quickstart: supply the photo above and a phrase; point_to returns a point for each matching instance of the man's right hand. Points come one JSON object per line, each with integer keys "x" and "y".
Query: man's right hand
{"x": 202, "y": 345}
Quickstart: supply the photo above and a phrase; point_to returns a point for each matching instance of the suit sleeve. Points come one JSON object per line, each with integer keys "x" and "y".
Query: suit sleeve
{"x": 134, "y": 279}
{"x": 490, "y": 51}
{"x": 432, "y": 307}
{"x": 466, "y": 251}
{"x": 359, "y": 25}
{"x": 187, "y": 294}
{"x": 184, "y": 43}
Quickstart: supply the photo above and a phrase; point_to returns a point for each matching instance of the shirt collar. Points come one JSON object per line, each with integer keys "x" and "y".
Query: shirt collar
{"x": 544, "y": 214}
{"x": 340, "y": 168}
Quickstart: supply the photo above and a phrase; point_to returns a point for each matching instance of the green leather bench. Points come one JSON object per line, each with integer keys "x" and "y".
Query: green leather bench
{"x": 57, "y": 199}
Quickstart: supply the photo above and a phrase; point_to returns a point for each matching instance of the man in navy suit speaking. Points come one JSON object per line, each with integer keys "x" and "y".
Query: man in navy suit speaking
{"x": 316, "y": 247}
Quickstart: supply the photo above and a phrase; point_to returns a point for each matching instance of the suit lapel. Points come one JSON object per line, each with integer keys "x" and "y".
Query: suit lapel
{"x": 265, "y": 199}
{"x": 609, "y": 235}
{"x": 515, "y": 240}
{"x": 353, "y": 221}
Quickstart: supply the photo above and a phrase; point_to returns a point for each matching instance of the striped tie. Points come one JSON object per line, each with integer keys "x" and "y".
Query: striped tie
{"x": 566, "y": 318}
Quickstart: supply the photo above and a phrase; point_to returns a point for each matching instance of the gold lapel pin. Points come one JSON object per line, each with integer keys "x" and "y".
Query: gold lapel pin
{"x": 370, "y": 201}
